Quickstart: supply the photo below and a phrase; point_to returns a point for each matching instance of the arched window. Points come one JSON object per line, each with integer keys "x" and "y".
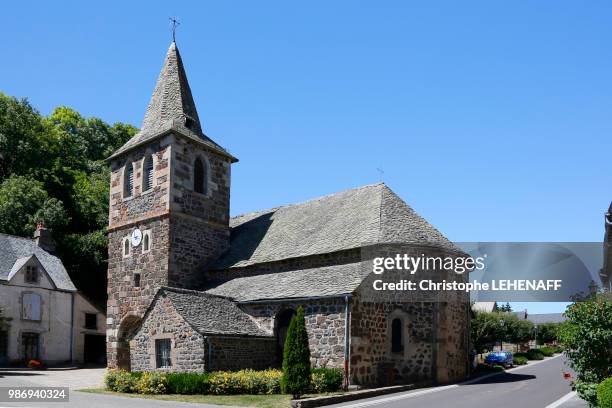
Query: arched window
{"x": 126, "y": 246}
{"x": 145, "y": 243}
{"x": 128, "y": 180}
{"x": 200, "y": 178}
{"x": 147, "y": 173}
{"x": 397, "y": 338}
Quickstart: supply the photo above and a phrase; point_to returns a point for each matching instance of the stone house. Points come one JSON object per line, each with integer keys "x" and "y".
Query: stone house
{"x": 191, "y": 288}
{"x": 48, "y": 319}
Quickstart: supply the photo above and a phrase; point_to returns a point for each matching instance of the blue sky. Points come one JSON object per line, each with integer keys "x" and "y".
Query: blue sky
{"x": 491, "y": 119}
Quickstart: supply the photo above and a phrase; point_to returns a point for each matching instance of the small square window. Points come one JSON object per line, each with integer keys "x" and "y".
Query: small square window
{"x": 91, "y": 321}
{"x": 162, "y": 353}
{"x": 136, "y": 280}
{"x": 31, "y": 274}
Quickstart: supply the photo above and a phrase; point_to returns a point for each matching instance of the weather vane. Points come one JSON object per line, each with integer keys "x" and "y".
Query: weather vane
{"x": 175, "y": 23}
{"x": 381, "y": 173}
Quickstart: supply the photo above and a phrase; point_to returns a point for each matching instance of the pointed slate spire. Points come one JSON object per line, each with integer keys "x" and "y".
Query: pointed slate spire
{"x": 171, "y": 109}
{"x": 172, "y": 99}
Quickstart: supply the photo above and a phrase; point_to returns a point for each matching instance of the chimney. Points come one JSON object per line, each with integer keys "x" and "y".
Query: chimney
{"x": 43, "y": 238}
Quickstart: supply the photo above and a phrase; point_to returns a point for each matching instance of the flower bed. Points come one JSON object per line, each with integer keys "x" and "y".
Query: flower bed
{"x": 215, "y": 383}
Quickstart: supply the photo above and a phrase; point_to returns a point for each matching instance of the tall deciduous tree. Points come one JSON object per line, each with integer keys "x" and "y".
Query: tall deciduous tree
{"x": 24, "y": 202}
{"x": 54, "y": 171}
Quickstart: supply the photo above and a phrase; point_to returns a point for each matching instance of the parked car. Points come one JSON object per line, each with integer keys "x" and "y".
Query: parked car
{"x": 502, "y": 358}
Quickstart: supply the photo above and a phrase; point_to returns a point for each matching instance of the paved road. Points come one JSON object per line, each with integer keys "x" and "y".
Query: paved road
{"x": 533, "y": 386}
{"x": 76, "y": 379}
{"x": 539, "y": 385}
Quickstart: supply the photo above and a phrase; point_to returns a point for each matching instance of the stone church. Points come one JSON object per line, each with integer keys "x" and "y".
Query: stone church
{"x": 192, "y": 289}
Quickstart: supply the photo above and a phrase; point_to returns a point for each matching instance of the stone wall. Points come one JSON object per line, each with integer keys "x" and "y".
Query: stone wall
{"x": 124, "y": 299}
{"x": 434, "y": 327}
{"x": 193, "y": 244}
{"x": 325, "y": 322}
{"x": 232, "y": 354}
{"x": 188, "y": 230}
{"x": 372, "y": 361}
{"x": 214, "y": 206}
{"x": 140, "y": 205}
{"x": 164, "y": 322}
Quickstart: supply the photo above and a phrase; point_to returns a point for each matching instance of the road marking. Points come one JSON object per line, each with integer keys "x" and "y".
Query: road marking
{"x": 446, "y": 387}
{"x": 562, "y": 400}
{"x": 398, "y": 397}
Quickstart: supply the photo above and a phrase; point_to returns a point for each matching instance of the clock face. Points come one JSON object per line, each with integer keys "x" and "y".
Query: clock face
{"x": 136, "y": 237}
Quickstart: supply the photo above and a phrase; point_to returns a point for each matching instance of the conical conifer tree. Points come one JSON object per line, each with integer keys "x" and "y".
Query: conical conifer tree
{"x": 296, "y": 357}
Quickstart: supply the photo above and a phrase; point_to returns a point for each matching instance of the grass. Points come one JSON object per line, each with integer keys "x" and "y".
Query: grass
{"x": 258, "y": 401}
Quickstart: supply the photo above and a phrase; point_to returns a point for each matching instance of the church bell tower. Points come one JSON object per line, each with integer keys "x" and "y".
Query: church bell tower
{"x": 169, "y": 207}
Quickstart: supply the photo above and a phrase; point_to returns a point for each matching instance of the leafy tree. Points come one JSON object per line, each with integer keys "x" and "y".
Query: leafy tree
{"x": 54, "y": 171}
{"x": 20, "y": 141}
{"x": 24, "y": 202}
{"x": 521, "y": 331}
{"x": 547, "y": 333}
{"x": 506, "y": 308}
{"x": 587, "y": 336}
{"x": 296, "y": 357}
{"x": 486, "y": 330}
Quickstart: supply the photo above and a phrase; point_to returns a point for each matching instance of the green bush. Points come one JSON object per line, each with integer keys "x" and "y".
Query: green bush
{"x": 604, "y": 394}
{"x": 187, "y": 383}
{"x": 120, "y": 380}
{"x": 244, "y": 382}
{"x": 110, "y": 379}
{"x": 535, "y": 354}
{"x": 520, "y": 360}
{"x": 547, "y": 351}
{"x": 296, "y": 357}
{"x": 151, "y": 383}
{"x": 326, "y": 379}
{"x": 587, "y": 391}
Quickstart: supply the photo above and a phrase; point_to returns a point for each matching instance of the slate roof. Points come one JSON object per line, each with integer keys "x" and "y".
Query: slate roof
{"x": 541, "y": 318}
{"x": 15, "y": 251}
{"x": 350, "y": 219}
{"x": 484, "y": 307}
{"x": 324, "y": 281}
{"x": 210, "y": 314}
{"x": 171, "y": 109}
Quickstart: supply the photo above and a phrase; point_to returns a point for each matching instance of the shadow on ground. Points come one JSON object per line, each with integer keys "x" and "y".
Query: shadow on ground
{"x": 16, "y": 373}
{"x": 504, "y": 378}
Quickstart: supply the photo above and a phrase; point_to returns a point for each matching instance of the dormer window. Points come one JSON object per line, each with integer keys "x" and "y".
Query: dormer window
{"x": 31, "y": 274}
{"x": 147, "y": 173}
{"x": 200, "y": 178}
{"x": 128, "y": 180}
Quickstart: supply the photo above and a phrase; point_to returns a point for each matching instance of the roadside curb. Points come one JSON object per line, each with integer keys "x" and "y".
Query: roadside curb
{"x": 355, "y": 395}
{"x": 361, "y": 394}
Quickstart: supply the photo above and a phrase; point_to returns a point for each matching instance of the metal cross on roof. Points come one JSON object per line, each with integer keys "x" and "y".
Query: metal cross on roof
{"x": 175, "y": 23}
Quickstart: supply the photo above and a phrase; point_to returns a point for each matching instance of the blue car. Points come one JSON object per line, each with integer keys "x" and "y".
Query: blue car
{"x": 502, "y": 358}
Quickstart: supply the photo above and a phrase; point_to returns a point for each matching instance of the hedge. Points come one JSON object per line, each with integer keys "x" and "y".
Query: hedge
{"x": 604, "y": 394}
{"x": 519, "y": 360}
{"x": 187, "y": 383}
{"x": 217, "y": 383}
{"x": 326, "y": 379}
{"x": 535, "y": 354}
{"x": 547, "y": 351}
